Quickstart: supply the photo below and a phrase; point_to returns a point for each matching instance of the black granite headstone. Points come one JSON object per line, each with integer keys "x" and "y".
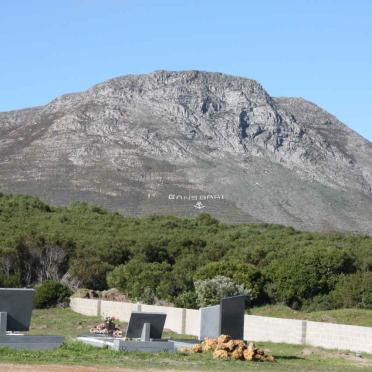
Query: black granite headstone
{"x": 232, "y": 316}
{"x": 137, "y": 321}
{"x": 17, "y": 303}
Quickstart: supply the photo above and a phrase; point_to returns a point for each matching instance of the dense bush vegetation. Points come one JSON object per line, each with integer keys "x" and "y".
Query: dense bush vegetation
{"x": 211, "y": 291}
{"x": 245, "y": 274}
{"x": 303, "y": 275}
{"x": 51, "y": 293}
{"x": 146, "y": 281}
{"x": 351, "y": 291}
{"x": 160, "y": 258}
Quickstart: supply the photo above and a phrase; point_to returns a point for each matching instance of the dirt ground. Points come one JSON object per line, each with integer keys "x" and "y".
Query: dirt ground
{"x": 61, "y": 368}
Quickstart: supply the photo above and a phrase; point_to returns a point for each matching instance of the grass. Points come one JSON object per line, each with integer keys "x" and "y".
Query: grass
{"x": 58, "y": 321}
{"x": 48, "y": 322}
{"x": 359, "y": 317}
{"x": 67, "y": 323}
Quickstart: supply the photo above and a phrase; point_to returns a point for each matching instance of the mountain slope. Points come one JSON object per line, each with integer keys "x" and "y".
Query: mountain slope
{"x": 186, "y": 142}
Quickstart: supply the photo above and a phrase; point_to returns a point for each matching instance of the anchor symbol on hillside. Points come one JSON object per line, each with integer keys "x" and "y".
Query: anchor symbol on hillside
{"x": 199, "y": 205}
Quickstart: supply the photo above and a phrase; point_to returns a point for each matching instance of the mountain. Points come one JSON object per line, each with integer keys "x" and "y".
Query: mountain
{"x": 190, "y": 142}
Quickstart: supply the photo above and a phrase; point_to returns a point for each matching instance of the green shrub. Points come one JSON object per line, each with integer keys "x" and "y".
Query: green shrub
{"x": 143, "y": 281}
{"x": 50, "y": 293}
{"x": 319, "y": 303}
{"x": 241, "y": 273}
{"x": 212, "y": 291}
{"x": 207, "y": 219}
{"x": 353, "y": 290}
{"x": 301, "y": 276}
{"x": 11, "y": 281}
{"x": 187, "y": 300}
{"x": 153, "y": 252}
{"x": 90, "y": 272}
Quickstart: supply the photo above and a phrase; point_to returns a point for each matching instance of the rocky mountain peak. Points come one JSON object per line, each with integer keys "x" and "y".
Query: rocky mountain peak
{"x": 132, "y": 141}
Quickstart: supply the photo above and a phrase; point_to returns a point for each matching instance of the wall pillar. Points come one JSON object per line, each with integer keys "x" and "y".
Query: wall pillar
{"x": 303, "y": 332}
{"x": 3, "y": 323}
{"x": 98, "y": 307}
{"x": 183, "y": 322}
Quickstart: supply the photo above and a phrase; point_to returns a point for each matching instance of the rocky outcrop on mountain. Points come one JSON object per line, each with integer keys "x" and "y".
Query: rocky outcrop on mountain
{"x": 189, "y": 142}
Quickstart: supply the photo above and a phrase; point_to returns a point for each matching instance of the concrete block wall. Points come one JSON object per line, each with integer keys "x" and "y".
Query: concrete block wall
{"x": 256, "y": 328}
{"x": 192, "y": 322}
{"x": 261, "y": 328}
{"x": 175, "y": 316}
{"x": 120, "y": 310}
{"x": 85, "y": 306}
{"x": 339, "y": 336}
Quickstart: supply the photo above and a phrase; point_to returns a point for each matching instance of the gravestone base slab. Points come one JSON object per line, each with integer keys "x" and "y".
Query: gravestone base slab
{"x": 21, "y": 342}
{"x": 144, "y": 346}
{"x": 152, "y": 346}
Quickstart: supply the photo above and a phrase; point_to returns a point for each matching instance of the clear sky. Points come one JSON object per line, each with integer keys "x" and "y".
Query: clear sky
{"x": 318, "y": 49}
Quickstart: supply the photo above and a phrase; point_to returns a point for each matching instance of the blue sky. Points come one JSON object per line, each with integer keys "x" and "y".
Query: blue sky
{"x": 318, "y": 49}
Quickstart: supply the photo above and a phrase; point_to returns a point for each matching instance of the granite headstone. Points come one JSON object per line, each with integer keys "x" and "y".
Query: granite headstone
{"x": 17, "y": 304}
{"x": 138, "y": 320}
{"x": 226, "y": 318}
{"x": 232, "y": 316}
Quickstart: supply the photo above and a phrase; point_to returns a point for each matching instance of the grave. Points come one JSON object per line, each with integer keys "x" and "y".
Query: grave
{"x": 227, "y": 318}
{"x": 144, "y": 334}
{"x": 15, "y": 316}
{"x": 146, "y": 326}
{"x": 145, "y": 330}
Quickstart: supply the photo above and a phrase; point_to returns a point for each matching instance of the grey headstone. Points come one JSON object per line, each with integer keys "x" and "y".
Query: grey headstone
{"x": 210, "y": 322}
{"x": 232, "y": 316}
{"x": 17, "y": 303}
{"x": 137, "y": 321}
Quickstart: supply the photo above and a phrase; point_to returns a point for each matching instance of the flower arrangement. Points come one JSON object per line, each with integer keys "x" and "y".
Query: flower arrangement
{"x": 107, "y": 327}
{"x": 110, "y": 324}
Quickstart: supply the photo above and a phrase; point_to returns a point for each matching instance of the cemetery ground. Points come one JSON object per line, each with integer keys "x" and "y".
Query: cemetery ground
{"x": 79, "y": 357}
